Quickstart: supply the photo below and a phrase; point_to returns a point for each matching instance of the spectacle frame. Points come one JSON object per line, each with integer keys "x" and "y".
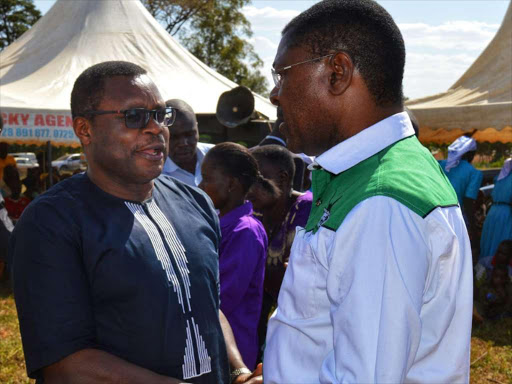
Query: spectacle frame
{"x": 277, "y": 73}
{"x": 137, "y": 118}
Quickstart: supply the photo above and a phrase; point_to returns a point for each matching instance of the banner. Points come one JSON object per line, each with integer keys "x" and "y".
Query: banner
{"x": 38, "y": 127}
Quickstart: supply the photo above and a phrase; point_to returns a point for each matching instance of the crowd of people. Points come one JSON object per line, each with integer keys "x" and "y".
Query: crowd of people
{"x": 492, "y": 251}
{"x": 336, "y": 250}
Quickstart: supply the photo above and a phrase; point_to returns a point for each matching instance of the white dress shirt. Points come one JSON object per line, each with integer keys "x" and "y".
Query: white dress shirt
{"x": 386, "y": 298}
{"x": 172, "y": 169}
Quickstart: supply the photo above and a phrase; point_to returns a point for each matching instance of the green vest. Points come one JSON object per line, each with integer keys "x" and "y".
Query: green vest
{"x": 404, "y": 171}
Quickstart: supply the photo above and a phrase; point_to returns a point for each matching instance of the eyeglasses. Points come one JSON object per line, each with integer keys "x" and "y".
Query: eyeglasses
{"x": 277, "y": 73}
{"x": 137, "y": 118}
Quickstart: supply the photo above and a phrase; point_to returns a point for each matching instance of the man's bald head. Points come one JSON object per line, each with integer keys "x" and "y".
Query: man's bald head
{"x": 185, "y": 111}
{"x": 183, "y": 135}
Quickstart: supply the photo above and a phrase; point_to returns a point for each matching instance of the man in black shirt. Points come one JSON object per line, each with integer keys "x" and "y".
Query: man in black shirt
{"x": 116, "y": 270}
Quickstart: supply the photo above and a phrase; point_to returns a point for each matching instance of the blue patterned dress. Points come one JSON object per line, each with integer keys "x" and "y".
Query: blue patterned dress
{"x": 498, "y": 223}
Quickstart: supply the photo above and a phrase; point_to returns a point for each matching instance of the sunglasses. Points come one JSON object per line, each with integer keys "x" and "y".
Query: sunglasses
{"x": 137, "y": 118}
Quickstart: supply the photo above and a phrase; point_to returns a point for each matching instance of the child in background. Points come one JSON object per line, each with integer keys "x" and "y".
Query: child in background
{"x": 282, "y": 211}
{"x": 495, "y": 297}
{"x": 503, "y": 256}
{"x": 15, "y": 202}
{"x": 228, "y": 171}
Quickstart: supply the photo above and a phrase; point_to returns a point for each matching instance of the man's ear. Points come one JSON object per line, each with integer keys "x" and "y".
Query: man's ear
{"x": 82, "y": 128}
{"x": 341, "y": 72}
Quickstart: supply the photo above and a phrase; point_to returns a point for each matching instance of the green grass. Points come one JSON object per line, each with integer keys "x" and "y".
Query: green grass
{"x": 491, "y": 348}
{"x": 491, "y": 353}
{"x": 12, "y": 363}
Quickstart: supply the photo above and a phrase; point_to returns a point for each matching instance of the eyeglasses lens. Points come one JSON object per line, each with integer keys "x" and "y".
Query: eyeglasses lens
{"x": 136, "y": 118}
{"x": 276, "y": 77}
{"x": 166, "y": 116}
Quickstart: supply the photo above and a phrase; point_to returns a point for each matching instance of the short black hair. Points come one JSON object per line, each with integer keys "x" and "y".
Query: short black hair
{"x": 366, "y": 32}
{"x": 277, "y": 156}
{"x": 184, "y": 109}
{"x": 89, "y": 87}
{"x": 236, "y": 161}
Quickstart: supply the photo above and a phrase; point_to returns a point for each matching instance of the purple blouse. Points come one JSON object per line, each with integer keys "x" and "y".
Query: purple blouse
{"x": 281, "y": 243}
{"x": 242, "y": 256}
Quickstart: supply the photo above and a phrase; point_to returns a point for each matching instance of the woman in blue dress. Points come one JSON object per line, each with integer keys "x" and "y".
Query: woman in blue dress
{"x": 465, "y": 179}
{"x": 498, "y": 223}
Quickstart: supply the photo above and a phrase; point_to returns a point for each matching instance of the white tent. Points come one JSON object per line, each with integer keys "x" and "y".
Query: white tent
{"x": 481, "y": 99}
{"x": 38, "y": 70}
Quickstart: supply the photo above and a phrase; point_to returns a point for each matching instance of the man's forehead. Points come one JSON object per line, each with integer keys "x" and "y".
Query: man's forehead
{"x": 286, "y": 51}
{"x": 183, "y": 124}
{"x": 125, "y": 87}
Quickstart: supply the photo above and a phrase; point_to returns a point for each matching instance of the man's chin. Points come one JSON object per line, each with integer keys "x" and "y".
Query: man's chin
{"x": 150, "y": 175}
{"x": 183, "y": 158}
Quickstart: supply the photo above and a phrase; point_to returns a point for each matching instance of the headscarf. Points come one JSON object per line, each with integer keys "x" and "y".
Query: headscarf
{"x": 457, "y": 149}
{"x": 505, "y": 170}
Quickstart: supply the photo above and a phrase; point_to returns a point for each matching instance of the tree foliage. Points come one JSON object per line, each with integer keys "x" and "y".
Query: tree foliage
{"x": 16, "y": 17}
{"x": 216, "y": 32}
{"x": 173, "y": 14}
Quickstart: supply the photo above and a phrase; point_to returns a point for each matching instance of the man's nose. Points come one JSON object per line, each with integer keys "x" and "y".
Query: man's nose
{"x": 274, "y": 96}
{"x": 154, "y": 127}
{"x": 183, "y": 141}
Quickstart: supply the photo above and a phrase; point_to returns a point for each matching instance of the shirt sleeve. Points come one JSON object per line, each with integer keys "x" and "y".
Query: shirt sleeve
{"x": 375, "y": 284}
{"x": 239, "y": 260}
{"x": 50, "y": 285}
{"x": 474, "y": 184}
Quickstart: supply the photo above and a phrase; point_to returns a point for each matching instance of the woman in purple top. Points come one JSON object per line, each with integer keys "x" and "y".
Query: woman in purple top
{"x": 281, "y": 211}
{"x": 228, "y": 171}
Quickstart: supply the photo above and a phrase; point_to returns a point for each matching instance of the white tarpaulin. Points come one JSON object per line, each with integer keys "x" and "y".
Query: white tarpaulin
{"x": 38, "y": 70}
{"x": 481, "y": 99}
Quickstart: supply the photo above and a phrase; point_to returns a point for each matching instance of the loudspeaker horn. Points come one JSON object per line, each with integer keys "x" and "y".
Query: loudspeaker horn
{"x": 235, "y": 107}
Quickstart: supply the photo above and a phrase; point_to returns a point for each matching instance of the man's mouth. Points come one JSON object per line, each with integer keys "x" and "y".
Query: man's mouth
{"x": 185, "y": 153}
{"x": 154, "y": 152}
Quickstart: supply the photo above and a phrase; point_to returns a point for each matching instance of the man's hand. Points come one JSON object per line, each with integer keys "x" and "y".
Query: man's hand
{"x": 254, "y": 378}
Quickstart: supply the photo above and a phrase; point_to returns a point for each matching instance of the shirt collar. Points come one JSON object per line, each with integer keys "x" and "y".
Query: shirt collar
{"x": 365, "y": 144}
{"x": 276, "y": 139}
{"x": 234, "y": 215}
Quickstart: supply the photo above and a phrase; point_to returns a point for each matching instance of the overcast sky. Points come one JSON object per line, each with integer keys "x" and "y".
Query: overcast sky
{"x": 442, "y": 37}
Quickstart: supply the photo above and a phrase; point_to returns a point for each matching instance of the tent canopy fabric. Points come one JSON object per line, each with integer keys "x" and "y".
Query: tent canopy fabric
{"x": 38, "y": 70}
{"x": 481, "y": 99}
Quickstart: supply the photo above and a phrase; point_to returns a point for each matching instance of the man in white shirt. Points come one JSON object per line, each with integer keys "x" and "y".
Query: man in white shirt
{"x": 379, "y": 284}
{"x": 185, "y": 152}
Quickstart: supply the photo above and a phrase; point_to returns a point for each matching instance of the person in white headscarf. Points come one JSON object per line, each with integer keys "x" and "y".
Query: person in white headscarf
{"x": 498, "y": 223}
{"x": 465, "y": 179}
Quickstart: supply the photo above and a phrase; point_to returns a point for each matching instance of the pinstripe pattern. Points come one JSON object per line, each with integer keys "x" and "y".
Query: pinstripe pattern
{"x": 150, "y": 223}
{"x": 177, "y": 249}
{"x": 189, "y": 364}
{"x": 204, "y": 359}
{"x": 158, "y": 245}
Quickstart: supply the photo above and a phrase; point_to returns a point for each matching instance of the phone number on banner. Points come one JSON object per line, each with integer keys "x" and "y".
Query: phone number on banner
{"x": 39, "y": 133}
